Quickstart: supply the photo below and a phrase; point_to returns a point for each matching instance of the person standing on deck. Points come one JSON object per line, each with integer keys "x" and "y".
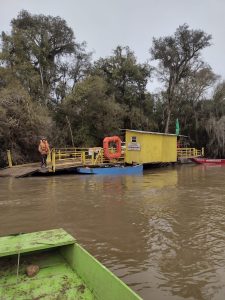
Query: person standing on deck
{"x": 44, "y": 150}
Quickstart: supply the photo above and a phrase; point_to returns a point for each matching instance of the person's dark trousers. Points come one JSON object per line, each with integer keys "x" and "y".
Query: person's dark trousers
{"x": 43, "y": 160}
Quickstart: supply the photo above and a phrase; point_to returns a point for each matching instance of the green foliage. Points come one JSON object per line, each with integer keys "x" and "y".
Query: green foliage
{"x": 127, "y": 81}
{"x": 33, "y": 49}
{"x": 215, "y": 130}
{"x": 48, "y": 84}
{"x": 213, "y": 114}
{"x": 189, "y": 97}
{"x": 22, "y": 121}
{"x": 92, "y": 113}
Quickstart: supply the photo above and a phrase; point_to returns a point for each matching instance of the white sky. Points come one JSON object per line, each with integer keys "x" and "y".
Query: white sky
{"x": 104, "y": 24}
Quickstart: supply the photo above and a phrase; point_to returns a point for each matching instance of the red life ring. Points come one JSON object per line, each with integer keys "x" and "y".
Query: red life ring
{"x": 107, "y": 141}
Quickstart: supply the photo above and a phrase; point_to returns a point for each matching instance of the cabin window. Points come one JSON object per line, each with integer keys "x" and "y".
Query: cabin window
{"x": 134, "y": 139}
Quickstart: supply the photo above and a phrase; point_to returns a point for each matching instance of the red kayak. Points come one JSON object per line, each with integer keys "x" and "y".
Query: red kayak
{"x": 200, "y": 160}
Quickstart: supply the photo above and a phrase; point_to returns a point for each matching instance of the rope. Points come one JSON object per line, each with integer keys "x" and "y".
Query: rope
{"x": 18, "y": 265}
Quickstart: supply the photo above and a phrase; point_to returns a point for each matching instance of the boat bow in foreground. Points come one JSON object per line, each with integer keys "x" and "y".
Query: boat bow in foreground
{"x": 52, "y": 265}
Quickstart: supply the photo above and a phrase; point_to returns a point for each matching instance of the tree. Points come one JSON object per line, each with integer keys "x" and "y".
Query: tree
{"x": 22, "y": 121}
{"x": 216, "y": 133}
{"x": 189, "y": 97}
{"x": 35, "y": 45}
{"x": 92, "y": 113}
{"x": 76, "y": 69}
{"x": 178, "y": 56}
{"x": 127, "y": 81}
{"x": 218, "y": 109}
{"x": 214, "y": 117}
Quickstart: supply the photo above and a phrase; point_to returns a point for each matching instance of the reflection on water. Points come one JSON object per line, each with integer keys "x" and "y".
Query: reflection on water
{"x": 163, "y": 233}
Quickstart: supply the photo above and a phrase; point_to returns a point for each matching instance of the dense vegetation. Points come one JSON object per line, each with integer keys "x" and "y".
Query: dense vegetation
{"x": 49, "y": 85}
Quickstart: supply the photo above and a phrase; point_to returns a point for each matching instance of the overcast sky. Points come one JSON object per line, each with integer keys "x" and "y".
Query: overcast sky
{"x": 104, "y": 24}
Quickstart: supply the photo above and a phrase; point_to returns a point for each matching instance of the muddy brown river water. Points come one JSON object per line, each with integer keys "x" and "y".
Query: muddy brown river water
{"x": 163, "y": 233}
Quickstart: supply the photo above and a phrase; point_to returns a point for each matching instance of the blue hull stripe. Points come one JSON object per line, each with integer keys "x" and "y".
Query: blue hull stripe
{"x": 130, "y": 170}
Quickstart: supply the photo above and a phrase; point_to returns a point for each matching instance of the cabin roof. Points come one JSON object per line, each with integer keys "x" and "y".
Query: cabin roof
{"x": 26, "y": 242}
{"x": 148, "y": 132}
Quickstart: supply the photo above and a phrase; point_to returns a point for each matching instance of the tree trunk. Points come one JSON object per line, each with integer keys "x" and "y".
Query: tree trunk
{"x": 71, "y": 133}
{"x": 168, "y": 120}
{"x": 196, "y": 127}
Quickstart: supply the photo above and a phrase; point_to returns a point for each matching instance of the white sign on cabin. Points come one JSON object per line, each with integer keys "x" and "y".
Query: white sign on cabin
{"x": 94, "y": 150}
{"x": 134, "y": 147}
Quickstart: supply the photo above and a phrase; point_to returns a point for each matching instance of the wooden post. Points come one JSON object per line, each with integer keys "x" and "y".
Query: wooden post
{"x": 9, "y": 157}
{"x": 203, "y": 152}
{"x": 53, "y": 160}
{"x": 92, "y": 157}
{"x": 83, "y": 157}
{"x": 102, "y": 156}
{"x": 49, "y": 157}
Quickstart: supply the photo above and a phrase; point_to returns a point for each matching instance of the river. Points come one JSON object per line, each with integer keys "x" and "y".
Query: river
{"x": 162, "y": 233}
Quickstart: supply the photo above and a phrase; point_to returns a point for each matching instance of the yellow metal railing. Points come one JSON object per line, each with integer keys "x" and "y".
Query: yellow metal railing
{"x": 189, "y": 152}
{"x": 80, "y": 156}
{"x": 83, "y": 156}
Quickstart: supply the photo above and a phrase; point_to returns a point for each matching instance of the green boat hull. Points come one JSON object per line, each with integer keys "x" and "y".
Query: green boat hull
{"x": 66, "y": 270}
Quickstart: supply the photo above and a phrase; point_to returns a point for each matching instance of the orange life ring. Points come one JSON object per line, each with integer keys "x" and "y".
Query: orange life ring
{"x": 107, "y": 141}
